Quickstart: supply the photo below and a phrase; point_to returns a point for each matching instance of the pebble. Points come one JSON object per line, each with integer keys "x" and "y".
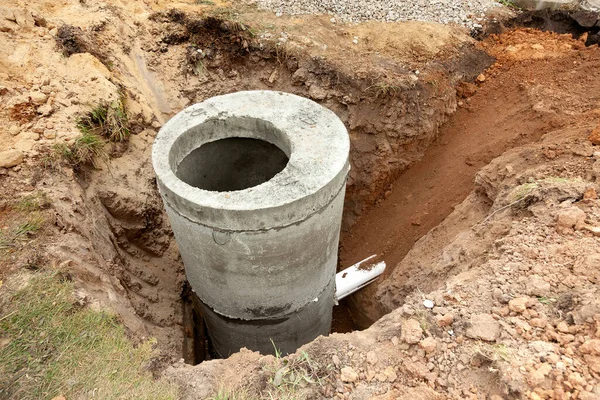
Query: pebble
{"x": 483, "y": 327}
{"x": 411, "y": 331}
{"x": 10, "y": 158}
{"x": 348, "y": 375}
{"x": 468, "y": 13}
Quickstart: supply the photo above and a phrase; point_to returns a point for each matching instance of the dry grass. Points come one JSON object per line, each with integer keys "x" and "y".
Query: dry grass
{"x": 50, "y": 346}
{"x": 87, "y": 149}
{"x": 108, "y": 120}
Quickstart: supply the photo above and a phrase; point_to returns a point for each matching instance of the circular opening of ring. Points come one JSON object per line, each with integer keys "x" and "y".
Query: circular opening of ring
{"x": 234, "y": 163}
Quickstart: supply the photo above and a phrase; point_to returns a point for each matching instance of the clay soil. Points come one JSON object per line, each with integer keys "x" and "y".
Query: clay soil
{"x": 474, "y": 176}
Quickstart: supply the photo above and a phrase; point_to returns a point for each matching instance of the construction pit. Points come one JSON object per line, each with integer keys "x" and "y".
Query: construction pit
{"x": 473, "y": 175}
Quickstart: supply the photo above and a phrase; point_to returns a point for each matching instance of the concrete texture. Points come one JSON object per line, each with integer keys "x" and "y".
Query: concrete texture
{"x": 266, "y": 251}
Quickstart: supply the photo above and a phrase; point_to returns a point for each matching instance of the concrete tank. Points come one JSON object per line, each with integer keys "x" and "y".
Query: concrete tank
{"x": 253, "y": 184}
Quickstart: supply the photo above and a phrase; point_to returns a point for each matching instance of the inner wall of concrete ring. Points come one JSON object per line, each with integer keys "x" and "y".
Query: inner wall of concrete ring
{"x": 261, "y": 283}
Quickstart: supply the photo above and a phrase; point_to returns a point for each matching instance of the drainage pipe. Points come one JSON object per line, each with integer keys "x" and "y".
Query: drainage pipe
{"x": 253, "y": 184}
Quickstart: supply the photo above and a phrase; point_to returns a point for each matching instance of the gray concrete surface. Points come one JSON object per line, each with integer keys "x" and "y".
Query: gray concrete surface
{"x": 264, "y": 252}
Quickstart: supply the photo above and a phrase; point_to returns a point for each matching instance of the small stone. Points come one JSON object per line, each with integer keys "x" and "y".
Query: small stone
{"x": 372, "y": 358}
{"x": 390, "y": 374}
{"x": 395, "y": 341}
{"x": 10, "y": 158}
{"x": 381, "y": 377}
{"x": 428, "y": 344}
{"x": 590, "y": 347}
{"x": 594, "y": 136}
{"x": 536, "y": 286}
{"x": 538, "y": 322}
{"x": 519, "y": 304}
{"x": 445, "y": 320}
{"x": 14, "y": 130}
{"x": 428, "y": 304}
{"x": 29, "y": 136}
{"x": 481, "y": 78}
{"x": 590, "y": 194}
{"x": 569, "y": 218}
{"x": 336, "y": 360}
{"x": 483, "y": 327}
{"x": 50, "y": 134}
{"x": 411, "y": 331}
{"x": 348, "y": 375}
{"x": 538, "y": 376}
{"x": 45, "y": 110}
{"x": 316, "y": 92}
{"x": 38, "y": 97}
{"x": 562, "y": 327}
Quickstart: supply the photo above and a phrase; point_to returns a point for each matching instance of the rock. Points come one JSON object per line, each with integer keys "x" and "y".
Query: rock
{"x": 445, "y": 320}
{"x": 538, "y": 376}
{"x": 300, "y": 76}
{"x": 50, "y": 134}
{"x": 569, "y": 218}
{"x": 38, "y": 97}
{"x": 538, "y": 322}
{"x": 536, "y": 286}
{"x": 588, "y": 266}
{"x": 428, "y": 344}
{"x": 590, "y": 194}
{"x": 562, "y": 327}
{"x": 481, "y": 78}
{"x": 348, "y": 375}
{"x": 390, "y": 374}
{"x": 591, "y": 346}
{"x": 411, "y": 331}
{"x": 45, "y": 110}
{"x": 14, "y": 130}
{"x": 483, "y": 327}
{"x": 10, "y": 158}
{"x": 316, "y": 92}
{"x": 24, "y": 19}
{"x": 372, "y": 358}
{"x": 519, "y": 304}
{"x": 594, "y": 136}
{"x": 29, "y": 136}
{"x": 336, "y": 360}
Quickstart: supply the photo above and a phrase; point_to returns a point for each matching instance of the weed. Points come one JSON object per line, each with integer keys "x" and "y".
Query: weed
{"x": 87, "y": 149}
{"x": 108, "y": 120}
{"x": 205, "y": 2}
{"x": 56, "y": 348}
{"x": 547, "y": 300}
{"x": 382, "y": 89}
{"x": 10, "y": 238}
{"x": 293, "y": 373}
{"x": 509, "y": 4}
{"x": 33, "y": 202}
{"x": 523, "y": 190}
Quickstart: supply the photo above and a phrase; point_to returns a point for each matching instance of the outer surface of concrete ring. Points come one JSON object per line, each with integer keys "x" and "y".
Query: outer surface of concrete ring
{"x": 313, "y": 137}
{"x": 269, "y": 250}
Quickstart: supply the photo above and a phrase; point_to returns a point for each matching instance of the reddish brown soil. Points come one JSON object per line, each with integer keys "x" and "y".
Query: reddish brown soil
{"x": 537, "y": 85}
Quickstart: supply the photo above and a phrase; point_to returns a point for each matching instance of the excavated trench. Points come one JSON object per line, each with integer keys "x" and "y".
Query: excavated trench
{"x": 415, "y": 150}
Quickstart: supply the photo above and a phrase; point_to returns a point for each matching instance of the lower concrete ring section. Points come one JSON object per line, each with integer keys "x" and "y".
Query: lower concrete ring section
{"x": 228, "y": 336}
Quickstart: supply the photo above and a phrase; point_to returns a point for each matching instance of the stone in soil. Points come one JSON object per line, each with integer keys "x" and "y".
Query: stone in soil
{"x": 484, "y": 327}
{"x": 10, "y": 158}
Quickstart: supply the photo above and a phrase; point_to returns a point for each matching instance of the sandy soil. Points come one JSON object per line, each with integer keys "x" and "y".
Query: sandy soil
{"x": 510, "y": 269}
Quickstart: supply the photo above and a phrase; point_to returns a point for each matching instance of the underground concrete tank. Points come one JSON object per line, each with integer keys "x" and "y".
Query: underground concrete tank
{"x": 253, "y": 184}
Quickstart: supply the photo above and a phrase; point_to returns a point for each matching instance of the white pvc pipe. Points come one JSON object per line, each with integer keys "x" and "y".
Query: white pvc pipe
{"x": 356, "y": 277}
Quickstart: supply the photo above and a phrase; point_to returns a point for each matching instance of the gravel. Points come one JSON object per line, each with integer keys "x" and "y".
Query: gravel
{"x": 469, "y": 13}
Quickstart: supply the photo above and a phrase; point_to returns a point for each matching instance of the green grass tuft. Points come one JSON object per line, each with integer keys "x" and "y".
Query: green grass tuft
{"x": 87, "y": 149}
{"x": 108, "y": 120}
{"x": 49, "y": 346}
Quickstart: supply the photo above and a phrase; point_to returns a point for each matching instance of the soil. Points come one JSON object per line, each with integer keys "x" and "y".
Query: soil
{"x": 488, "y": 122}
{"x": 477, "y": 187}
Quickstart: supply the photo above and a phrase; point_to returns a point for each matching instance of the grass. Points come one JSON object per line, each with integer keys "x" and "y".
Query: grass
{"x": 546, "y": 300}
{"x": 108, "y": 120}
{"x": 13, "y": 237}
{"x": 49, "y": 346}
{"x": 87, "y": 149}
{"x": 382, "y": 89}
{"x": 291, "y": 374}
{"x": 509, "y": 4}
{"x": 33, "y": 202}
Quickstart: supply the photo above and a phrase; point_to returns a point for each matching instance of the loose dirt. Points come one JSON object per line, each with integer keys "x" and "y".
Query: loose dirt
{"x": 507, "y": 260}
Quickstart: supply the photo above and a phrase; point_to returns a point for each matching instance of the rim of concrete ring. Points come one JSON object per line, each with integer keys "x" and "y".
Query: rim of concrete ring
{"x": 312, "y": 136}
